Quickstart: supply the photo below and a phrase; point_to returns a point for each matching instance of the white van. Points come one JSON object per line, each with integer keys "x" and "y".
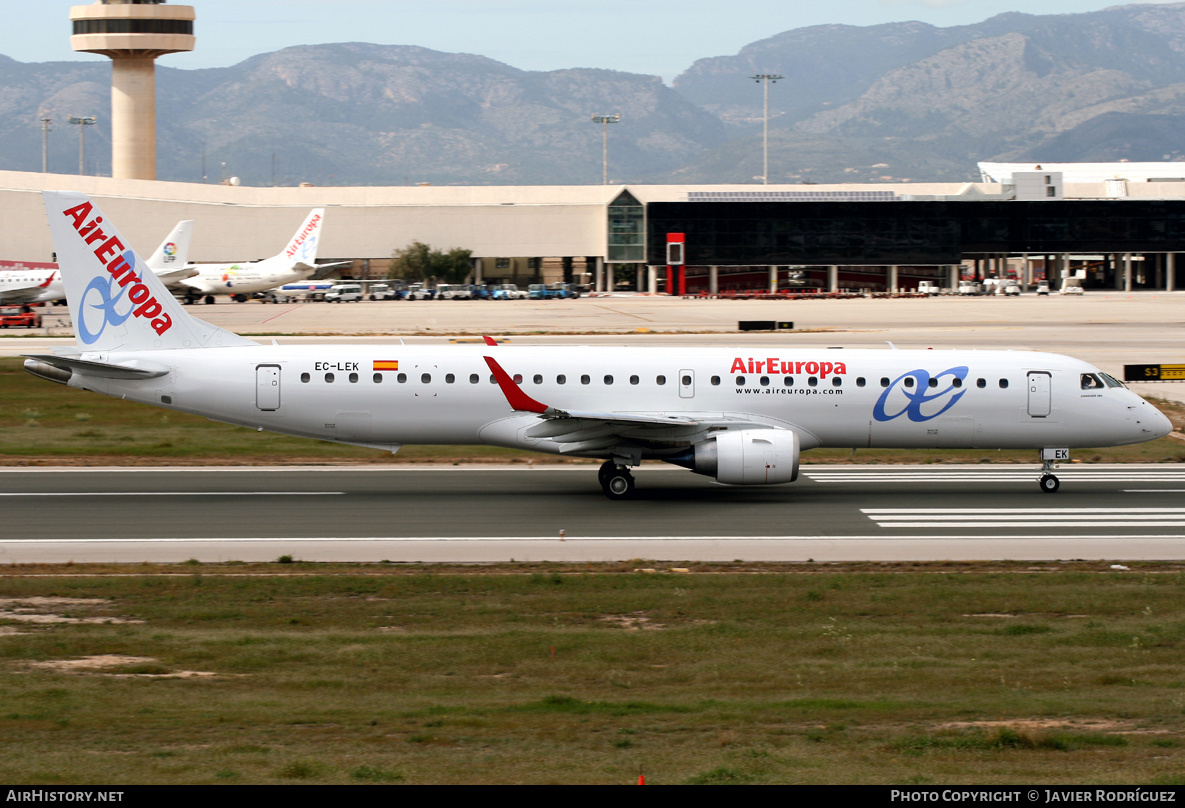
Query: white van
{"x": 344, "y": 293}
{"x": 928, "y": 288}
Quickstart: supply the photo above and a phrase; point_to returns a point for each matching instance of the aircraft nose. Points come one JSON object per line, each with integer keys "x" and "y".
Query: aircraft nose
{"x": 1152, "y": 422}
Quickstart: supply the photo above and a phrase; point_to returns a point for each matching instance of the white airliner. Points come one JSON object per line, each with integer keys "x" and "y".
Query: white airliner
{"x": 27, "y": 287}
{"x": 739, "y": 415}
{"x": 297, "y": 261}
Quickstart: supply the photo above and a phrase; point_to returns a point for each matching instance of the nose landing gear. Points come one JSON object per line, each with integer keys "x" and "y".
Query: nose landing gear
{"x": 1049, "y": 457}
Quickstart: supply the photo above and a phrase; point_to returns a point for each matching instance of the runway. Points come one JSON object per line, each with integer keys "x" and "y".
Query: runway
{"x": 557, "y": 513}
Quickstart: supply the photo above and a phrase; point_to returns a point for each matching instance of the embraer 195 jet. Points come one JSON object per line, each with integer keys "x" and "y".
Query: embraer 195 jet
{"x": 741, "y": 416}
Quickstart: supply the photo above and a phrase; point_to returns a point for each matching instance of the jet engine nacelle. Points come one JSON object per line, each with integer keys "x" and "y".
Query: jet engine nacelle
{"x": 749, "y": 457}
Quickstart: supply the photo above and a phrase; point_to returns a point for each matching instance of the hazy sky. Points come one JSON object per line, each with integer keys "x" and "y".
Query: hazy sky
{"x": 657, "y": 37}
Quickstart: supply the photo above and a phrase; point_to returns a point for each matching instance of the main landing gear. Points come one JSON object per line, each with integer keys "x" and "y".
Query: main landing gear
{"x": 616, "y": 481}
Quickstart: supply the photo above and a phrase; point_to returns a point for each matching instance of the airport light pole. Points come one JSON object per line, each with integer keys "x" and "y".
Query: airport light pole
{"x": 766, "y": 79}
{"x": 604, "y": 121}
{"x": 82, "y": 123}
{"x": 45, "y": 122}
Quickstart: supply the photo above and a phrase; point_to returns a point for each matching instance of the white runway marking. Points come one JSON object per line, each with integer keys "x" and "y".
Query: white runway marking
{"x": 1026, "y": 517}
{"x": 178, "y": 494}
{"x": 993, "y": 476}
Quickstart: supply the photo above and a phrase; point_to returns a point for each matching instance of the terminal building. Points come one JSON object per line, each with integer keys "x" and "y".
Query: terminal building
{"x": 1113, "y": 231}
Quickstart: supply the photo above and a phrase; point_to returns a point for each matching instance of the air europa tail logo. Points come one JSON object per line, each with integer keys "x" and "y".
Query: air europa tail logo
{"x": 104, "y": 294}
{"x": 298, "y": 242}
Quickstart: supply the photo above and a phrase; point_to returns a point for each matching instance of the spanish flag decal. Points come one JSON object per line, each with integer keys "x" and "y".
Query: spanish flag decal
{"x": 386, "y": 364}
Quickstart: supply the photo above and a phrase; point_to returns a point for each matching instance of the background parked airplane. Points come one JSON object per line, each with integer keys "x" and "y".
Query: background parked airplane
{"x": 737, "y": 415}
{"x": 297, "y": 261}
{"x": 168, "y": 261}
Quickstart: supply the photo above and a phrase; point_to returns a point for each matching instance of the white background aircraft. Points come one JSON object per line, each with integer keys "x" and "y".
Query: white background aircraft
{"x": 740, "y": 416}
{"x": 26, "y": 287}
{"x": 297, "y": 261}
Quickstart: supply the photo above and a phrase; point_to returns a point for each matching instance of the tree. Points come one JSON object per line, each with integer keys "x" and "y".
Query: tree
{"x": 419, "y": 262}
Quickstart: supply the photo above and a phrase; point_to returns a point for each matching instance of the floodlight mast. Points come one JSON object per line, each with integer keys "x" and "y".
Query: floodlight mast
{"x": 766, "y": 79}
{"x": 82, "y": 123}
{"x": 604, "y": 121}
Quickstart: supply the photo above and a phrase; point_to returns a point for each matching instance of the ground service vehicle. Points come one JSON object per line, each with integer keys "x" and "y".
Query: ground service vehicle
{"x": 344, "y": 293}
{"x": 19, "y": 318}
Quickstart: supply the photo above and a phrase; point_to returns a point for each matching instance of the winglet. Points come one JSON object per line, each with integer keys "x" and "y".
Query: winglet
{"x": 489, "y": 340}
{"x": 518, "y": 400}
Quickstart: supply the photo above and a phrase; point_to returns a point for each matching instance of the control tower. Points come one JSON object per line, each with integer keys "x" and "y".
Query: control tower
{"x": 133, "y": 33}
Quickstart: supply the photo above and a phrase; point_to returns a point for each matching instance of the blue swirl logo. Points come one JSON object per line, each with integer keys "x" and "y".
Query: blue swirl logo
{"x": 97, "y": 297}
{"x": 915, "y": 403}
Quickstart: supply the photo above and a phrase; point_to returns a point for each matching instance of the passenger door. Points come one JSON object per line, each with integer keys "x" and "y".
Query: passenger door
{"x": 1040, "y": 404}
{"x": 267, "y": 387}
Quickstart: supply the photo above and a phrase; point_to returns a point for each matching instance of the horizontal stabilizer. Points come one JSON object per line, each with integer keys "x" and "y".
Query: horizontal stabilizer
{"x": 134, "y": 369}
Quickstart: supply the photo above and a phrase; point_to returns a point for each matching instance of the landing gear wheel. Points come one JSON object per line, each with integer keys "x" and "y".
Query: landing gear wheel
{"x": 607, "y": 468}
{"x": 618, "y": 484}
{"x": 1049, "y": 483}
{"x": 209, "y": 300}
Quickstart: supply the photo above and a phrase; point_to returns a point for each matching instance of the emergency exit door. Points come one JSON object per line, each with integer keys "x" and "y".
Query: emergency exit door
{"x": 267, "y": 387}
{"x": 1039, "y": 394}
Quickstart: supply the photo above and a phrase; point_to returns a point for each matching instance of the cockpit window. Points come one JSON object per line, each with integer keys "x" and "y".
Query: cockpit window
{"x": 1112, "y": 381}
{"x": 1091, "y": 382}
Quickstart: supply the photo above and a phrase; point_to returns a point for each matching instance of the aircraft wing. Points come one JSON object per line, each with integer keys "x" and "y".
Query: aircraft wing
{"x": 584, "y": 431}
{"x": 20, "y": 295}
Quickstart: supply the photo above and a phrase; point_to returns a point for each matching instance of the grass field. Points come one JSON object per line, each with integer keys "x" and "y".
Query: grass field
{"x": 45, "y": 423}
{"x": 293, "y": 673}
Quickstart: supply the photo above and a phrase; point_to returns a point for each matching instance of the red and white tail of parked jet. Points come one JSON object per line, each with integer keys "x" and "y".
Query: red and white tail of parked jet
{"x": 740, "y": 415}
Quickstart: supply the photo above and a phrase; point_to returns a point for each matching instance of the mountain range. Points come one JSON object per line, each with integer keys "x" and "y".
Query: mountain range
{"x": 895, "y": 102}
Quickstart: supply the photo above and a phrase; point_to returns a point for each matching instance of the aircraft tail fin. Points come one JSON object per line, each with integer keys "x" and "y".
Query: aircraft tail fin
{"x": 302, "y": 247}
{"x": 116, "y": 302}
{"x": 173, "y": 252}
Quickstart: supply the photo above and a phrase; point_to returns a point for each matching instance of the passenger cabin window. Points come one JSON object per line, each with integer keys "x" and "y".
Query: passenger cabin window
{"x": 585, "y": 379}
{"x": 634, "y": 380}
{"x": 449, "y": 378}
{"x": 1003, "y": 384}
{"x": 608, "y": 380}
{"x": 884, "y": 381}
{"x": 378, "y": 378}
{"x": 957, "y": 383}
{"x": 561, "y": 379}
{"x": 329, "y": 377}
{"x": 426, "y": 378}
{"x": 813, "y": 381}
{"x": 474, "y": 378}
{"x": 304, "y": 377}
{"x": 537, "y": 379}
{"x": 764, "y": 381}
{"x": 715, "y": 381}
{"x": 740, "y": 381}
{"x": 660, "y": 380}
{"x": 909, "y": 381}
{"x": 518, "y": 378}
{"x": 859, "y": 381}
{"x": 401, "y": 378}
{"x": 353, "y": 378}
{"x": 836, "y": 381}
{"x": 788, "y": 381}
{"x": 981, "y": 383}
